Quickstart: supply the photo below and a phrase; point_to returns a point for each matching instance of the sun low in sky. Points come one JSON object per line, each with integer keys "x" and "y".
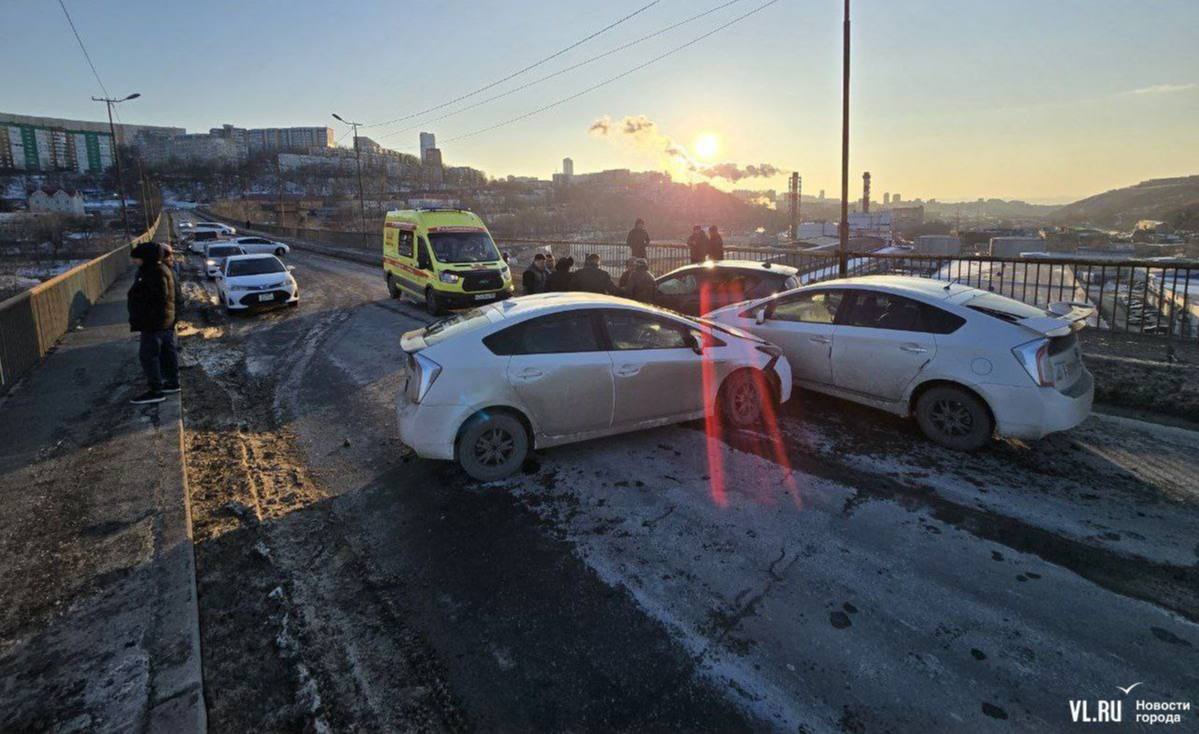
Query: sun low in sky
{"x": 707, "y": 146}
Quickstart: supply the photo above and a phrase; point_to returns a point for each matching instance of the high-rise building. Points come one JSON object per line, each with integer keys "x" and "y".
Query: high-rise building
{"x": 895, "y": 198}
{"x": 886, "y": 197}
{"x": 821, "y": 197}
{"x": 52, "y": 144}
{"x": 273, "y": 139}
{"x": 427, "y": 142}
{"x": 568, "y": 168}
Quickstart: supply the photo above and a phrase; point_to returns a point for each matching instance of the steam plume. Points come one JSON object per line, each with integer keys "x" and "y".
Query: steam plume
{"x": 643, "y": 134}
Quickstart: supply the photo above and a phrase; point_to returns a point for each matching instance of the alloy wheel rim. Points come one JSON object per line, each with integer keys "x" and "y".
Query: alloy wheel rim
{"x": 744, "y": 405}
{"x": 495, "y": 447}
{"x": 951, "y": 417}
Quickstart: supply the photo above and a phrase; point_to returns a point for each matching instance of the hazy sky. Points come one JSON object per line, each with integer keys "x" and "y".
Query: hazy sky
{"x": 954, "y": 99}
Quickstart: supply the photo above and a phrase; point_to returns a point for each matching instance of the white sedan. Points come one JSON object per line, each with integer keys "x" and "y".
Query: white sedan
{"x": 260, "y": 245}
{"x": 485, "y": 386}
{"x": 215, "y": 253}
{"x": 965, "y": 363}
{"x": 248, "y": 281}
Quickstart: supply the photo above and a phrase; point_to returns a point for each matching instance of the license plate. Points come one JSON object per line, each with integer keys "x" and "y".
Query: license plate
{"x": 1068, "y": 371}
{"x": 266, "y": 297}
{"x": 484, "y": 296}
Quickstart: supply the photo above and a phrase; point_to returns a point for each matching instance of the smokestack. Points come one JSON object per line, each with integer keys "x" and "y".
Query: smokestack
{"x": 793, "y": 198}
{"x": 866, "y": 192}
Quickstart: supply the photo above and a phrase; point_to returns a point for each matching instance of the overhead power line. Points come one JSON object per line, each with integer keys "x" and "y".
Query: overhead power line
{"x": 570, "y": 68}
{"x": 515, "y": 74}
{"x": 619, "y": 76}
{"x": 83, "y": 48}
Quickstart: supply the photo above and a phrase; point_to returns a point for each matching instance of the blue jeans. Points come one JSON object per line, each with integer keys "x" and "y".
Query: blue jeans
{"x": 159, "y": 359}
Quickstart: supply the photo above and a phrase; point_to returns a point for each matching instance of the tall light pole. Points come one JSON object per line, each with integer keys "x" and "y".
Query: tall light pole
{"x": 843, "y": 249}
{"x": 358, "y": 160}
{"x": 116, "y": 153}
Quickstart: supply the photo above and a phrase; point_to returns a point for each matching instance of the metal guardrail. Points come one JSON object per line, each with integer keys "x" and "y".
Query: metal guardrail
{"x": 1130, "y": 296}
{"x": 33, "y": 321}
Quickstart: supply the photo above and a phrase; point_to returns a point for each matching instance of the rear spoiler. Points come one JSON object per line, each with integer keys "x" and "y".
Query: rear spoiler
{"x": 1067, "y": 316}
{"x": 413, "y": 341}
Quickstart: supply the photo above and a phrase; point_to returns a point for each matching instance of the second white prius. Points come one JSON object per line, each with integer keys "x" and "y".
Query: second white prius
{"x": 486, "y": 386}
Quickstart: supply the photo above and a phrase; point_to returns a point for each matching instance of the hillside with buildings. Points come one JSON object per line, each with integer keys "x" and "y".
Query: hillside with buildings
{"x": 1171, "y": 200}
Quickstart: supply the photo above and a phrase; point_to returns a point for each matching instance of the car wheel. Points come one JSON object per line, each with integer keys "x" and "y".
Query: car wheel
{"x": 294, "y": 304}
{"x": 280, "y": 252}
{"x": 493, "y": 446}
{"x": 740, "y": 399}
{"x": 431, "y": 304}
{"x": 392, "y": 289}
{"x": 954, "y": 418}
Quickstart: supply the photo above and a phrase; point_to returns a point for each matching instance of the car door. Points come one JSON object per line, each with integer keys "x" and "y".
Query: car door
{"x": 879, "y": 346}
{"x": 560, "y": 370}
{"x": 679, "y": 292}
{"x": 803, "y": 326}
{"x": 657, "y": 373}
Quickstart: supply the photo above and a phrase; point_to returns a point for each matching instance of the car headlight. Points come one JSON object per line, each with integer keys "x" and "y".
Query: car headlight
{"x": 239, "y": 288}
{"x": 210, "y": 262}
{"x": 506, "y": 272}
{"x": 448, "y": 277}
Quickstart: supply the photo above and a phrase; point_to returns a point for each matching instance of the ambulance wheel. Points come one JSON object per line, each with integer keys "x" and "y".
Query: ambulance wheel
{"x": 392, "y": 288}
{"x": 431, "y": 305}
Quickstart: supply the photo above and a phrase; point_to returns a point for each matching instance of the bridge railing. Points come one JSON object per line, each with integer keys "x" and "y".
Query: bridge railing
{"x": 33, "y": 321}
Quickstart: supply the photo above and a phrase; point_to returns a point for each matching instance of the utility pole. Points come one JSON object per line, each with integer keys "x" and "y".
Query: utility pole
{"x": 116, "y": 154}
{"x": 141, "y": 174}
{"x": 843, "y": 249}
{"x": 358, "y": 161}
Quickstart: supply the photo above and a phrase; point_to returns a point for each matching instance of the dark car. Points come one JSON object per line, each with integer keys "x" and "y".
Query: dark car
{"x": 697, "y": 289}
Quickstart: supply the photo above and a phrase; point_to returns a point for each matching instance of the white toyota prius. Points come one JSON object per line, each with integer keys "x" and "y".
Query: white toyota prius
{"x": 484, "y": 387}
{"x": 965, "y": 363}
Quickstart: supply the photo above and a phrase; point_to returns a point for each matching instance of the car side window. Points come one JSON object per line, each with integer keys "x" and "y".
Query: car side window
{"x": 560, "y": 333}
{"x": 896, "y": 313}
{"x": 680, "y": 285}
{"x": 630, "y": 330}
{"x": 813, "y": 307}
{"x": 407, "y": 238}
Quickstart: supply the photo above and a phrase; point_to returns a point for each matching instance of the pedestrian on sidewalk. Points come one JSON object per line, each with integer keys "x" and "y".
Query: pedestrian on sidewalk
{"x": 715, "y": 244}
{"x": 697, "y": 244}
{"x": 638, "y": 239}
{"x": 534, "y": 279}
{"x": 151, "y": 302}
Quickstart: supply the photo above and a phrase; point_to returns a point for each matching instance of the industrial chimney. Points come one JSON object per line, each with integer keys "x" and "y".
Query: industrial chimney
{"x": 866, "y": 192}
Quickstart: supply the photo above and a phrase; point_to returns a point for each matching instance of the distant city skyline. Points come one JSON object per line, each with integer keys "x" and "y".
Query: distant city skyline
{"x": 950, "y": 101}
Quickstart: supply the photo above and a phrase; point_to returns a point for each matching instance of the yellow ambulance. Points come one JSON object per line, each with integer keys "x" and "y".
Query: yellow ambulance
{"x": 444, "y": 258}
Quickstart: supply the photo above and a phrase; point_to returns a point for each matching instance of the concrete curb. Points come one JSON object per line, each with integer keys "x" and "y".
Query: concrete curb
{"x": 177, "y": 684}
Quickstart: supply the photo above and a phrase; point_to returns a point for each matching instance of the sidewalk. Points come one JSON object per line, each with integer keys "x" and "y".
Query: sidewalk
{"x": 98, "y": 629}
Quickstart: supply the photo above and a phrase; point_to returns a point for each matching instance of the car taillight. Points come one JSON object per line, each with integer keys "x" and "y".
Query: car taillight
{"x": 1034, "y": 357}
{"x": 422, "y": 371}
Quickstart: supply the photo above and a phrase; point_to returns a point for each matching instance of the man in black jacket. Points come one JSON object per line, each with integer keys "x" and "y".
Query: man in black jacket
{"x": 715, "y": 244}
{"x": 151, "y": 302}
{"x": 593, "y": 278}
{"x": 697, "y": 244}
{"x": 534, "y": 278}
{"x": 638, "y": 239}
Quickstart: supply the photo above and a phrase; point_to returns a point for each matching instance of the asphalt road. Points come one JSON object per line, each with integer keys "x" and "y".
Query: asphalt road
{"x": 838, "y": 574}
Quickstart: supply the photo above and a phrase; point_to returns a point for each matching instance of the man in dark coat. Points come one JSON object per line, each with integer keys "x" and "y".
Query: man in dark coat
{"x": 697, "y": 243}
{"x": 151, "y": 302}
{"x": 638, "y": 239}
{"x": 715, "y": 244}
{"x": 535, "y": 277}
{"x": 561, "y": 279}
{"x": 593, "y": 278}
{"x": 640, "y": 285}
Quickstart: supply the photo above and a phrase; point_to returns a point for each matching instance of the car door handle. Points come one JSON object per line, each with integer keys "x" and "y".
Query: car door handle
{"x": 530, "y": 373}
{"x": 627, "y": 370}
{"x": 820, "y": 339}
{"x": 913, "y": 348}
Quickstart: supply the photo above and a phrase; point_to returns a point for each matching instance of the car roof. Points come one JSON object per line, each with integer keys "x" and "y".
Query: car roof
{"x": 256, "y": 256}
{"x": 541, "y": 303}
{"x": 435, "y": 217}
{"x": 784, "y": 271}
{"x": 903, "y": 284}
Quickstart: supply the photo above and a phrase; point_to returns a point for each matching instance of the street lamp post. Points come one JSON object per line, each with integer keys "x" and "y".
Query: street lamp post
{"x": 843, "y": 248}
{"x": 358, "y": 162}
{"x": 116, "y": 154}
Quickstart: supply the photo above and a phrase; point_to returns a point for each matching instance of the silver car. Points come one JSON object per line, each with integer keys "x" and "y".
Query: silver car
{"x": 966, "y": 363}
{"x": 486, "y": 386}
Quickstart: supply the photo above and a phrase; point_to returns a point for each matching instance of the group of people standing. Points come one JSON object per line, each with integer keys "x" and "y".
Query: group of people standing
{"x": 547, "y": 275}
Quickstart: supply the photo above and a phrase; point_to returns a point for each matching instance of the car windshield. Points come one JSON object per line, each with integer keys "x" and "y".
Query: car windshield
{"x": 222, "y": 251}
{"x": 463, "y": 247}
{"x": 255, "y": 266}
{"x": 1002, "y": 307}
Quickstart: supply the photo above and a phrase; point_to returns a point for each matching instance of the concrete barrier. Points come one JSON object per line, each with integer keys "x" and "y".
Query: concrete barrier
{"x": 31, "y": 323}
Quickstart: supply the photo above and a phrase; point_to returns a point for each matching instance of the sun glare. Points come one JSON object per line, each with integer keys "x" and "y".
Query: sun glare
{"x": 707, "y": 146}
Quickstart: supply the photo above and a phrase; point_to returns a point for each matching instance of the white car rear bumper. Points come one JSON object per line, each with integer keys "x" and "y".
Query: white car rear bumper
{"x": 1034, "y": 412}
{"x": 429, "y": 430}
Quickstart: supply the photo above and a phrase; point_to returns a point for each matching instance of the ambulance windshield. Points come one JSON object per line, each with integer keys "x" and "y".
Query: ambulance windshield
{"x": 463, "y": 247}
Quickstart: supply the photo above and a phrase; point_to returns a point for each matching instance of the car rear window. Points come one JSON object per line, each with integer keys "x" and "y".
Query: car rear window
{"x": 1002, "y": 307}
{"x": 222, "y": 251}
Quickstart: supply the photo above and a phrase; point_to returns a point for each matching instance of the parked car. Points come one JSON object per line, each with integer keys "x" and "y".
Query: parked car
{"x": 486, "y": 386}
{"x": 222, "y": 229}
{"x": 214, "y": 256}
{"x": 248, "y": 281}
{"x": 260, "y": 245}
{"x": 966, "y": 363}
{"x": 697, "y": 289}
{"x": 197, "y": 241}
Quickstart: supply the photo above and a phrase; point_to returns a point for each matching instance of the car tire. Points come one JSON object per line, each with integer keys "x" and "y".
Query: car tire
{"x": 739, "y": 401}
{"x": 492, "y": 446}
{"x": 294, "y": 304}
{"x": 431, "y": 305}
{"x": 955, "y": 418}
{"x": 280, "y": 252}
{"x": 392, "y": 289}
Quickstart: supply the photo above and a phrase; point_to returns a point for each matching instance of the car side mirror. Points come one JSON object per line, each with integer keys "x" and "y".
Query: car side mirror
{"x": 760, "y": 316}
{"x": 694, "y": 343}
{"x": 291, "y": 268}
